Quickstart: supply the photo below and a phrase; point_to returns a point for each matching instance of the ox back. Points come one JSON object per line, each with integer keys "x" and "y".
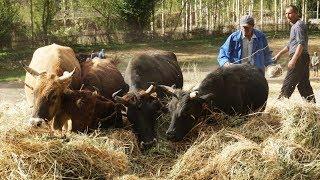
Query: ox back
{"x": 102, "y": 75}
{"x": 160, "y": 67}
{"x": 238, "y": 89}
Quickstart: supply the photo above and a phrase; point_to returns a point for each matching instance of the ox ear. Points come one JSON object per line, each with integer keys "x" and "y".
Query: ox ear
{"x": 193, "y": 94}
{"x": 30, "y": 70}
{"x": 121, "y": 100}
{"x": 163, "y": 90}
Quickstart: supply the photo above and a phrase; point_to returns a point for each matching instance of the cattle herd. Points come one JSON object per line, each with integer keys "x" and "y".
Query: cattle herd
{"x": 84, "y": 96}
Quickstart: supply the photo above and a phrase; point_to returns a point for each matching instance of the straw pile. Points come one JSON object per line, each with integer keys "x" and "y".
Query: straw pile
{"x": 283, "y": 143}
{"x": 38, "y": 154}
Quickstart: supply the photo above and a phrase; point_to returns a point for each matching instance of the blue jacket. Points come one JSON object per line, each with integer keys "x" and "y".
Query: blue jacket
{"x": 231, "y": 50}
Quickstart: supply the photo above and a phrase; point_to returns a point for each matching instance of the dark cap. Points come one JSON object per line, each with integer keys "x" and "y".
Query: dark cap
{"x": 246, "y": 20}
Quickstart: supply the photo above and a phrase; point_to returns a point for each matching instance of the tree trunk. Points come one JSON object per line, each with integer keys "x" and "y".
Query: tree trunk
{"x": 186, "y": 19}
{"x": 317, "y": 10}
{"x": 190, "y": 15}
{"x": 200, "y": 15}
{"x": 261, "y": 14}
{"x": 306, "y": 11}
{"x": 207, "y": 17}
{"x": 251, "y": 7}
{"x": 302, "y": 10}
{"x": 275, "y": 16}
{"x": 162, "y": 18}
{"x": 64, "y": 9}
{"x": 281, "y": 15}
{"x": 196, "y": 13}
{"x": 32, "y": 22}
{"x": 183, "y": 4}
{"x": 238, "y": 13}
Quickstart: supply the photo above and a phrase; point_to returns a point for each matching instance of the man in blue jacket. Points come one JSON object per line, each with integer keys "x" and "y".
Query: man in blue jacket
{"x": 247, "y": 45}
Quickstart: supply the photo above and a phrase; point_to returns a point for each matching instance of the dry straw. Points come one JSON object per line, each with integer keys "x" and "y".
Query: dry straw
{"x": 280, "y": 143}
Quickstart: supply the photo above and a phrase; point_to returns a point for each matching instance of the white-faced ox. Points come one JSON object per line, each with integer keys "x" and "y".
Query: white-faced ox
{"x": 235, "y": 90}
{"x": 144, "y": 106}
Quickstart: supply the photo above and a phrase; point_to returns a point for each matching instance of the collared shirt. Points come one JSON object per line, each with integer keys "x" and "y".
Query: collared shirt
{"x": 298, "y": 35}
{"x": 247, "y": 48}
{"x": 231, "y": 50}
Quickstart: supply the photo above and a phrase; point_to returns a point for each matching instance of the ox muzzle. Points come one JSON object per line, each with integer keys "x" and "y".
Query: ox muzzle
{"x": 36, "y": 122}
{"x": 147, "y": 145}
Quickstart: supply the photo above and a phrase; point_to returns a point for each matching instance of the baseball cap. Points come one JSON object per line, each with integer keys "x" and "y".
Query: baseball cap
{"x": 246, "y": 20}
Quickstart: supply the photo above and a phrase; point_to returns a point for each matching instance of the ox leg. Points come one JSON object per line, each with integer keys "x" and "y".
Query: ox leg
{"x": 60, "y": 121}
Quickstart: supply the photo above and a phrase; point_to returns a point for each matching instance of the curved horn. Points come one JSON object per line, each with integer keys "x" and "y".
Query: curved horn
{"x": 66, "y": 75}
{"x": 169, "y": 91}
{"x": 29, "y": 69}
{"x": 151, "y": 89}
{"x": 116, "y": 93}
{"x": 194, "y": 94}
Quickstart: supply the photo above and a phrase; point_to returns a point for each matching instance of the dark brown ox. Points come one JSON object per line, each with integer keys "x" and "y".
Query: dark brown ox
{"x": 235, "y": 90}
{"x": 159, "y": 67}
{"x": 144, "y": 107}
{"x": 103, "y": 76}
{"x": 89, "y": 111}
{"x": 45, "y": 82}
{"x": 143, "y": 110}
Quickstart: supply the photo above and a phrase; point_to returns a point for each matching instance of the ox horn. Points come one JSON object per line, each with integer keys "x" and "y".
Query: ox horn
{"x": 116, "y": 93}
{"x": 167, "y": 90}
{"x": 119, "y": 99}
{"x": 29, "y": 69}
{"x": 194, "y": 94}
{"x": 151, "y": 89}
{"x": 66, "y": 75}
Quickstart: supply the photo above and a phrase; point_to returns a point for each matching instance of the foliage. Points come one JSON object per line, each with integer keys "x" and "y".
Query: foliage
{"x": 137, "y": 14}
{"x": 8, "y": 17}
{"x": 44, "y": 13}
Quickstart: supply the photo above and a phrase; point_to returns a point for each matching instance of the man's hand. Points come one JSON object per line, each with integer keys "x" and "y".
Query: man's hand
{"x": 227, "y": 64}
{"x": 276, "y": 58}
{"x": 291, "y": 64}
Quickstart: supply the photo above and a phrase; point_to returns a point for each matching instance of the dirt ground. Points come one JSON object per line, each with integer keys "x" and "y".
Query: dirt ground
{"x": 13, "y": 92}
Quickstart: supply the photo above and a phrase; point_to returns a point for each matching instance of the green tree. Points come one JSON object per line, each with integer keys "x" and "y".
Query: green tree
{"x": 44, "y": 12}
{"x": 137, "y": 14}
{"x": 8, "y": 17}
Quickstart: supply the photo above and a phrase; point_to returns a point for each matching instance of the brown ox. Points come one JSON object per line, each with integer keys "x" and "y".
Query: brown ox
{"x": 102, "y": 75}
{"x": 87, "y": 110}
{"x": 45, "y": 82}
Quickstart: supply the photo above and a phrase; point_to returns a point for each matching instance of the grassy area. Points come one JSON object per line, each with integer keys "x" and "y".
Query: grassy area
{"x": 200, "y": 51}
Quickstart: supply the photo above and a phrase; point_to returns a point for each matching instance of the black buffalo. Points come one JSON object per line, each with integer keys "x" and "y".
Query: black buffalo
{"x": 160, "y": 67}
{"x": 143, "y": 104}
{"x": 238, "y": 89}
